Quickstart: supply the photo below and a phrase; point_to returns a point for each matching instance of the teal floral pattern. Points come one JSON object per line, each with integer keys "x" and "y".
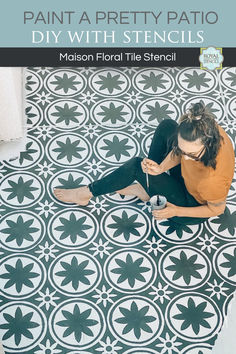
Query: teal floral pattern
{"x": 112, "y": 113}
{"x": 73, "y": 227}
{"x": 19, "y": 230}
{"x": 194, "y": 316}
{"x": 153, "y": 81}
{"x": 68, "y": 149}
{"x": 125, "y": 225}
{"x": 109, "y": 82}
{"x": 230, "y": 264}
{"x": 65, "y": 83}
{"x": 19, "y": 275}
{"x": 77, "y": 322}
{"x": 18, "y": 326}
{"x": 116, "y": 147}
{"x": 157, "y": 112}
{"x": 74, "y": 272}
{"x": 135, "y": 319}
{"x": 107, "y": 277}
{"x": 20, "y": 190}
{"x": 130, "y": 270}
{"x": 66, "y": 114}
{"x": 185, "y": 267}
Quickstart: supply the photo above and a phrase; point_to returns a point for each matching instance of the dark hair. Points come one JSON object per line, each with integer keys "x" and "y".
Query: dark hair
{"x": 199, "y": 123}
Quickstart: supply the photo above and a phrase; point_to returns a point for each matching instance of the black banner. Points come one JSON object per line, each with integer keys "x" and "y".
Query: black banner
{"x": 107, "y": 57}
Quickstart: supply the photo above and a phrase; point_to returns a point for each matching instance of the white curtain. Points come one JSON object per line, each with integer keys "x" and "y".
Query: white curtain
{"x": 12, "y": 115}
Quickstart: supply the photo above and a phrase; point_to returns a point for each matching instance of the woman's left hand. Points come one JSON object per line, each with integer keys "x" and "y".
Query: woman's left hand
{"x": 168, "y": 212}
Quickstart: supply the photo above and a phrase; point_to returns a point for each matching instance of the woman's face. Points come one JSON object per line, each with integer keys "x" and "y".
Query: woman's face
{"x": 191, "y": 150}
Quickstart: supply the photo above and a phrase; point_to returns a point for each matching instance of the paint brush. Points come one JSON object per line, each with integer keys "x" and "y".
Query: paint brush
{"x": 147, "y": 180}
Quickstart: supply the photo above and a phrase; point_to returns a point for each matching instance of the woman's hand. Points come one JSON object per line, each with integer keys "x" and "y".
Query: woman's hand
{"x": 168, "y": 212}
{"x": 151, "y": 167}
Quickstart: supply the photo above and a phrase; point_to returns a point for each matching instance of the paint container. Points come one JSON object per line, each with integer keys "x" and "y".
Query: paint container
{"x": 158, "y": 202}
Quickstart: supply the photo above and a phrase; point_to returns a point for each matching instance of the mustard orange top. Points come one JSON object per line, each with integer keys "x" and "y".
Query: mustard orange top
{"x": 203, "y": 182}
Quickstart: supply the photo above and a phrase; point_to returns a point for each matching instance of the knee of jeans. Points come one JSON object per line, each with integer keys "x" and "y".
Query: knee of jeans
{"x": 167, "y": 123}
{"x": 133, "y": 163}
{"x": 138, "y": 161}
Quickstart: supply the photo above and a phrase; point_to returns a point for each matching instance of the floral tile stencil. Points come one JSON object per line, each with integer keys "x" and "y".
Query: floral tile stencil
{"x": 107, "y": 278}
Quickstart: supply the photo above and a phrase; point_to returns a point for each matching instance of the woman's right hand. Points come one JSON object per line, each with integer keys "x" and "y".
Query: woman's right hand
{"x": 151, "y": 167}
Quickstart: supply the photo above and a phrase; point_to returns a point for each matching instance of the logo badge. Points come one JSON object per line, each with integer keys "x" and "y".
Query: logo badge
{"x": 211, "y": 58}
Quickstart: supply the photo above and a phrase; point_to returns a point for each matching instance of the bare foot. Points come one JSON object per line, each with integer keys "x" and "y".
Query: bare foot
{"x": 80, "y": 196}
{"x": 136, "y": 190}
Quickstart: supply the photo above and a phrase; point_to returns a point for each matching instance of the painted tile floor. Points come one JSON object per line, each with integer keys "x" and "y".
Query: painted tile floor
{"x": 106, "y": 278}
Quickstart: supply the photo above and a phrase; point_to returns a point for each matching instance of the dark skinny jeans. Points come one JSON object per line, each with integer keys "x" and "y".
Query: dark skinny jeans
{"x": 170, "y": 185}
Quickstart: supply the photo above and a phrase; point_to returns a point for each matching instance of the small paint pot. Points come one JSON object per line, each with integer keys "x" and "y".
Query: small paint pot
{"x": 154, "y": 202}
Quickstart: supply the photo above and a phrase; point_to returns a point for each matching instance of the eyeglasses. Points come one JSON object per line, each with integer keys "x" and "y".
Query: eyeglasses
{"x": 194, "y": 157}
